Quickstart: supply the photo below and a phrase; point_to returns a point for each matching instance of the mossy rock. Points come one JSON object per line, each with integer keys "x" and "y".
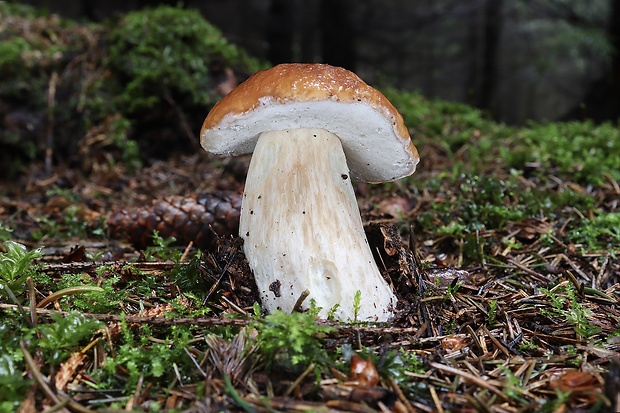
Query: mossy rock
{"x": 35, "y": 52}
{"x": 170, "y": 52}
{"x": 61, "y": 83}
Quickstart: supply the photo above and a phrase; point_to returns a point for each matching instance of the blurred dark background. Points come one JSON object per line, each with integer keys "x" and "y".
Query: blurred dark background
{"x": 520, "y": 60}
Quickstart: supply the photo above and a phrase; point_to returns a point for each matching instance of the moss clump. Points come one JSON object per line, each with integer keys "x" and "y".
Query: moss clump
{"x": 169, "y": 52}
{"x": 32, "y": 47}
{"x": 600, "y": 232}
{"x": 581, "y": 152}
{"x": 454, "y": 123}
{"x": 586, "y": 152}
{"x": 500, "y": 176}
{"x": 148, "y": 77}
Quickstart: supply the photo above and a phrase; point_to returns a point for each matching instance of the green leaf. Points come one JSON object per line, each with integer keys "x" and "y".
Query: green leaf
{"x": 16, "y": 264}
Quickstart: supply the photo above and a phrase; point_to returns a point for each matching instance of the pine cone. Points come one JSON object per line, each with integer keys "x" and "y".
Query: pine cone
{"x": 199, "y": 219}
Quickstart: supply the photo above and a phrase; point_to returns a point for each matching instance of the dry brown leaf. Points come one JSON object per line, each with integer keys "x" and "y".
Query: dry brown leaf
{"x": 574, "y": 380}
{"x": 453, "y": 343}
{"x": 29, "y": 405}
{"x": 69, "y": 369}
{"x": 395, "y": 206}
{"x": 580, "y": 384}
{"x": 364, "y": 371}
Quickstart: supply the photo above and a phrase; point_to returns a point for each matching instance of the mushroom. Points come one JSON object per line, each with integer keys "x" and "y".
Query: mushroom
{"x": 312, "y": 128}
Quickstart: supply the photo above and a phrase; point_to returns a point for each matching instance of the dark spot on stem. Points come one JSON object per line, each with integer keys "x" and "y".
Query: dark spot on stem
{"x": 344, "y": 176}
{"x": 275, "y": 288}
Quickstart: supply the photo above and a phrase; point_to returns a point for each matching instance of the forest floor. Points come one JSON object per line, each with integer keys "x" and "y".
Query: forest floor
{"x": 523, "y": 322}
{"x": 503, "y": 247}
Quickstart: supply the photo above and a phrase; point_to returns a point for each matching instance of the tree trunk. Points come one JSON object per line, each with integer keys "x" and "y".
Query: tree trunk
{"x": 280, "y": 31}
{"x": 614, "y": 36}
{"x": 337, "y": 34}
{"x": 492, "y": 31}
{"x": 601, "y": 101}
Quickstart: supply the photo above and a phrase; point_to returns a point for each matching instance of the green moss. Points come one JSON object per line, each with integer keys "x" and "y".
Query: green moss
{"x": 114, "y": 80}
{"x": 63, "y": 336}
{"x": 16, "y": 265}
{"x": 483, "y": 202}
{"x": 11, "y": 51}
{"x": 139, "y": 356}
{"x": 107, "y": 300}
{"x": 587, "y": 153}
{"x": 291, "y": 341}
{"x": 448, "y": 124}
{"x": 602, "y": 231}
{"x": 582, "y": 152}
{"x": 168, "y": 51}
{"x": 30, "y": 47}
{"x": 13, "y": 383}
{"x": 53, "y": 341}
{"x": 566, "y": 305}
{"x": 499, "y": 174}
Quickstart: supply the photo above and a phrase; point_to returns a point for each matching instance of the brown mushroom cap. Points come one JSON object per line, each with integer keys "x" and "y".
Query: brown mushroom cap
{"x": 295, "y": 95}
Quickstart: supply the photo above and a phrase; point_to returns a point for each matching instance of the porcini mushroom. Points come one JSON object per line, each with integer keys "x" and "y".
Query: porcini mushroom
{"x": 312, "y": 127}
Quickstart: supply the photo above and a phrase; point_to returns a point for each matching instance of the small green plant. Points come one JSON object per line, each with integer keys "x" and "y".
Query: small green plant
{"x": 513, "y": 388}
{"x": 526, "y": 345}
{"x": 602, "y": 231}
{"x": 577, "y": 360}
{"x": 292, "y": 341}
{"x": 578, "y": 315}
{"x": 105, "y": 299}
{"x": 72, "y": 223}
{"x": 450, "y": 328}
{"x": 453, "y": 229}
{"x": 47, "y": 228}
{"x": 397, "y": 363}
{"x": 553, "y": 405}
{"x": 190, "y": 279}
{"x": 5, "y": 233}
{"x": 557, "y": 302}
{"x": 357, "y": 304}
{"x": 492, "y": 312}
{"x": 565, "y": 305}
{"x": 332, "y": 312}
{"x": 162, "y": 249}
{"x": 452, "y": 288}
{"x": 54, "y": 341}
{"x": 16, "y": 265}
{"x": 130, "y": 151}
{"x": 512, "y": 243}
{"x": 140, "y": 356}
{"x": 60, "y": 338}
{"x": 13, "y": 383}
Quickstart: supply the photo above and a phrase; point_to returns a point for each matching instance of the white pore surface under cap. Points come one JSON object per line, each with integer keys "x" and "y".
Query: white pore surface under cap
{"x": 374, "y": 151}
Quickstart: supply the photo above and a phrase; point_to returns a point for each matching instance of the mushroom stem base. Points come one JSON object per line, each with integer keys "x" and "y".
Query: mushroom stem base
{"x": 302, "y": 229}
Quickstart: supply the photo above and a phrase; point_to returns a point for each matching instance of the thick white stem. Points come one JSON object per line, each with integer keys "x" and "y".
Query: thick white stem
{"x": 302, "y": 228}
